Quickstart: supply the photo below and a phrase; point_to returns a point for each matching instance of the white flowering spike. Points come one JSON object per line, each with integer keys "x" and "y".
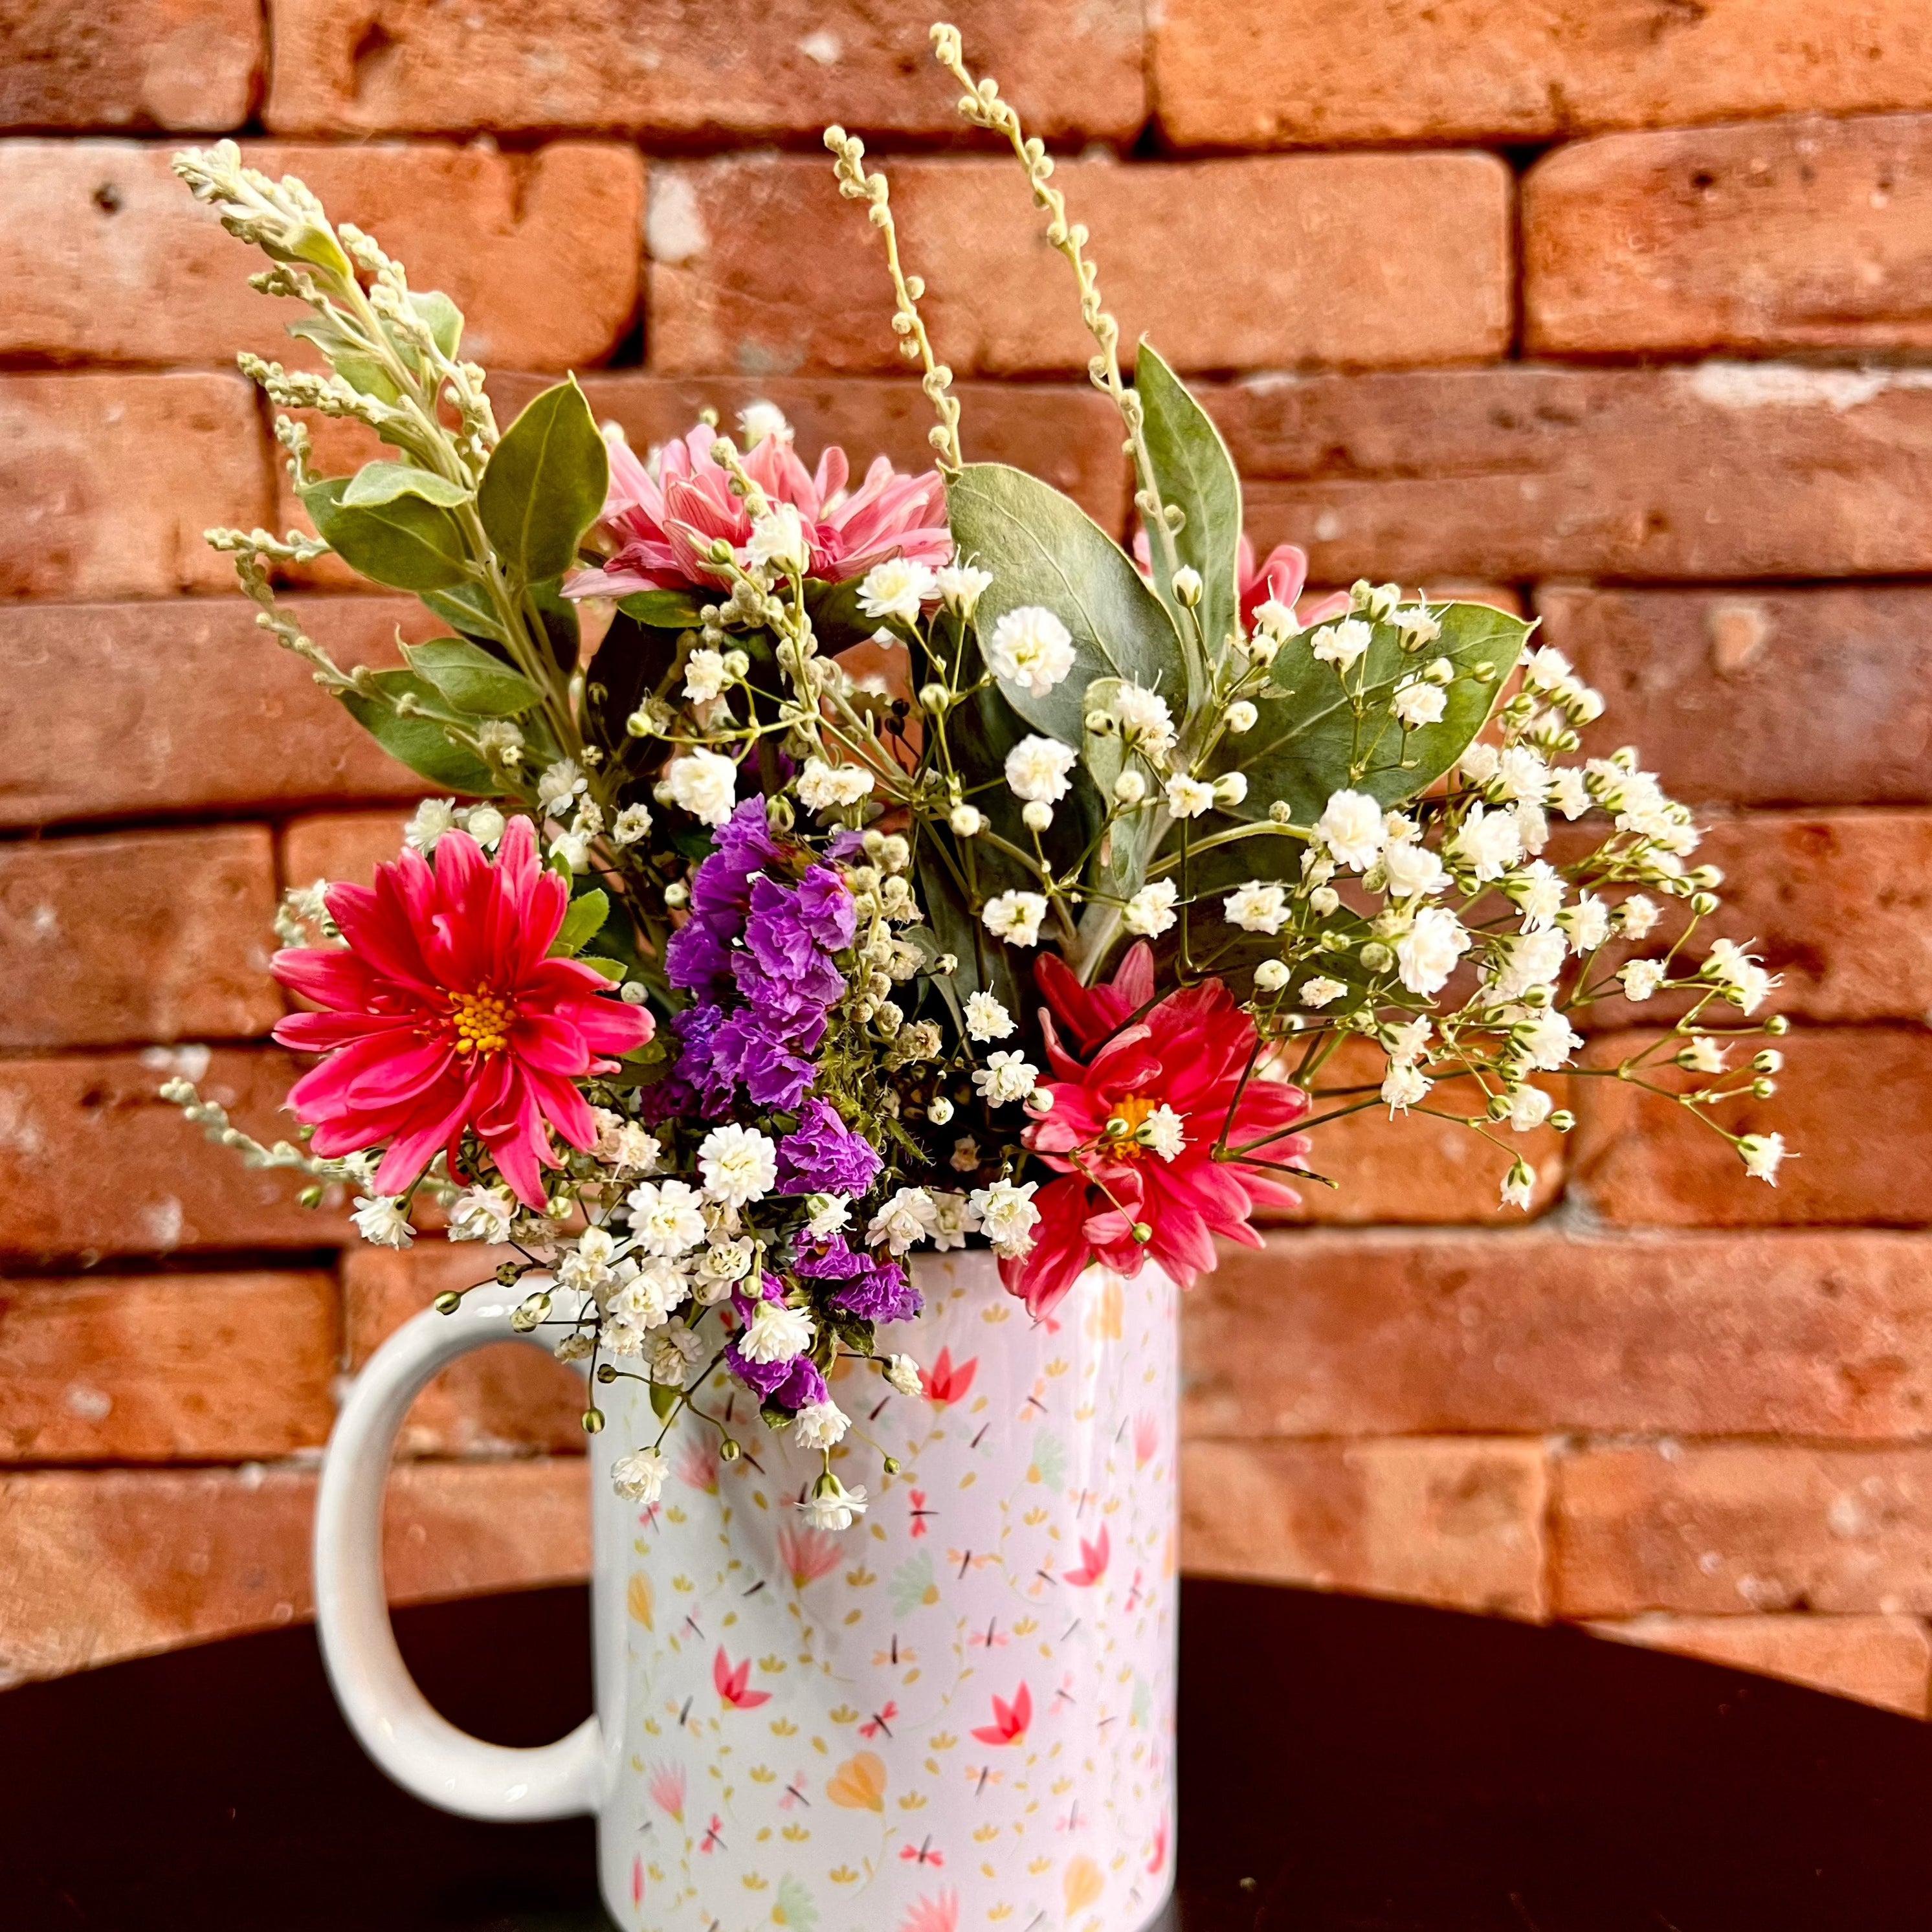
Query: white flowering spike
{"x": 740, "y": 1164}
{"x": 1031, "y": 647}
{"x": 704, "y": 783}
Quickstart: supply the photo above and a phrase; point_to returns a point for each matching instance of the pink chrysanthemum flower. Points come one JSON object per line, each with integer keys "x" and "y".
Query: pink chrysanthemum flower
{"x": 663, "y": 525}
{"x": 443, "y": 1013}
{"x": 1186, "y": 1060}
{"x": 1282, "y": 577}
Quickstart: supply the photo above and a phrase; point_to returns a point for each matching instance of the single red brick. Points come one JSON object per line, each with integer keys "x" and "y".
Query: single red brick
{"x": 1836, "y": 903}
{"x": 1067, "y": 437}
{"x": 340, "y": 845}
{"x": 1806, "y": 233}
{"x": 1730, "y": 1527}
{"x": 174, "y": 63}
{"x": 148, "y": 276}
{"x": 1761, "y": 696}
{"x": 1456, "y": 1523}
{"x": 1415, "y": 1168}
{"x": 97, "y": 1565}
{"x": 502, "y": 1398}
{"x": 1386, "y": 71}
{"x": 1723, "y": 470}
{"x": 108, "y": 482}
{"x": 1853, "y": 1103}
{"x": 1810, "y": 1333}
{"x": 165, "y": 1367}
{"x": 119, "y": 709}
{"x": 752, "y": 70}
{"x": 150, "y": 936}
{"x": 94, "y": 1162}
{"x": 1360, "y": 260}
{"x": 1880, "y": 1660}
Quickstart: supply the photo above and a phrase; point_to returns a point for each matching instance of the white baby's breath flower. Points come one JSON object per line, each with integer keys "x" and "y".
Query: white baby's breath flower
{"x": 1419, "y": 626}
{"x": 1518, "y": 1189}
{"x": 1150, "y": 911}
{"x": 1730, "y": 966}
{"x": 1352, "y": 827}
{"x": 1641, "y": 978}
{"x": 1410, "y": 870}
{"x": 759, "y": 420}
{"x": 1037, "y": 769}
{"x": 1521, "y": 777}
{"x": 778, "y": 542}
{"x": 586, "y": 1266}
{"x": 647, "y": 1295}
{"x": 1637, "y": 916}
{"x": 667, "y": 1216}
{"x": 1321, "y": 992}
{"x": 1256, "y": 907}
{"x": 1478, "y": 764}
{"x": 965, "y": 1155}
{"x": 1548, "y": 1038}
{"x": 1006, "y": 1078}
{"x": 484, "y": 823}
{"x": 703, "y": 783}
{"x": 1403, "y": 1087}
{"x": 1270, "y": 975}
{"x": 1529, "y": 1107}
{"x": 631, "y": 825}
{"x": 557, "y": 784}
{"x": 1007, "y": 1216}
{"x": 1567, "y": 792}
{"x": 953, "y": 1220}
{"x": 1188, "y": 797}
{"x": 1705, "y": 1055}
{"x": 383, "y": 1221}
{"x": 1342, "y": 644}
{"x": 1763, "y": 1155}
{"x": 1015, "y": 917}
{"x": 1427, "y": 954}
{"x": 896, "y": 588}
{"x": 831, "y": 1505}
{"x": 670, "y": 1354}
{"x": 1144, "y": 720}
{"x": 1241, "y": 717}
{"x": 962, "y": 585}
{"x": 1030, "y": 647}
{"x": 823, "y": 788}
{"x": 1163, "y": 1133}
{"x": 1417, "y": 703}
{"x": 908, "y": 1219}
{"x": 986, "y": 1018}
{"x": 902, "y": 1373}
{"x": 704, "y": 675}
{"x": 826, "y": 1214}
{"x": 819, "y": 1425}
{"x": 1487, "y": 844}
{"x": 433, "y": 818}
{"x": 1277, "y": 620}
{"x": 967, "y": 821}
{"x": 776, "y": 1334}
{"x": 639, "y": 1477}
{"x": 1530, "y": 959}
{"x": 482, "y": 1214}
{"x": 738, "y": 1164}
{"x": 1587, "y": 923}
{"x": 1536, "y": 891}
{"x": 1409, "y": 1041}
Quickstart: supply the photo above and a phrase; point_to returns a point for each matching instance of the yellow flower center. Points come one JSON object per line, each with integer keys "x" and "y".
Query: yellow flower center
{"x": 482, "y": 1021}
{"x": 1123, "y": 1124}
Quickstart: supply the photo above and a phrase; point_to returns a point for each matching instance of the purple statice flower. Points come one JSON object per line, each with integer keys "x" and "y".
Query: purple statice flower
{"x": 874, "y": 1290}
{"x": 697, "y": 956}
{"x": 824, "y": 908}
{"x": 823, "y": 1156}
{"x": 796, "y": 1385}
{"x": 748, "y": 1050}
{"x": 745, "y": 840}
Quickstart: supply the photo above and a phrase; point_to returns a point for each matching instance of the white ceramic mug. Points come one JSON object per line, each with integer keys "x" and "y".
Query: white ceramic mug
{"x": 959, "y": 1713}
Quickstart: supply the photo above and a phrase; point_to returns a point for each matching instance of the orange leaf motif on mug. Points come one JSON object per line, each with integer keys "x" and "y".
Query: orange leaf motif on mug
{"x": 860, "y": 1783}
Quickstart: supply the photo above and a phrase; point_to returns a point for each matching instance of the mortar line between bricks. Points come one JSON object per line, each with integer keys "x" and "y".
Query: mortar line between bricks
{"x": 1563, "y": 1441}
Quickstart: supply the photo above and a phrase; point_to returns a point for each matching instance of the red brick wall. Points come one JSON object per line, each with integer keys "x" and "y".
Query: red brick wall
{"x": 1611, "y": 306}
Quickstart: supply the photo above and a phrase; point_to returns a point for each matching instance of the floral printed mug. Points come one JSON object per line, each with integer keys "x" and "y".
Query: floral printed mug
{"x": 959, "y": 1713}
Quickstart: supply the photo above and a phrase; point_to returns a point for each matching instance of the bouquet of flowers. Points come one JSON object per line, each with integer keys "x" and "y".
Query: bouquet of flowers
{"x": 832, "y": 871}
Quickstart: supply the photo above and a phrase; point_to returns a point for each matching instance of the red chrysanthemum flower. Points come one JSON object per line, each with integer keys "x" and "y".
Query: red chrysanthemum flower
{"x": 1192, "y": 1055}
{"x": 443, "y": 1013}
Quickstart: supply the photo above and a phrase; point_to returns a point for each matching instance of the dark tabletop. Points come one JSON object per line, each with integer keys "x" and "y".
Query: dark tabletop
{"x": 1345, "y": 1767}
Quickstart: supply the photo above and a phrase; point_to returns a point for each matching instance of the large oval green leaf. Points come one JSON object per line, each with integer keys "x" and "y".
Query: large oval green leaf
{"x": 1192, "y": 465}
{"x": 1042, "y": 548}
{"x": 406, "y": 544}
{"x": 544, "y": 484}
{"x": 377, "y": 483}
{"x": 420, "y": 742}
{"x": 471, "y": 679}
{"x": 1311, "y": 743}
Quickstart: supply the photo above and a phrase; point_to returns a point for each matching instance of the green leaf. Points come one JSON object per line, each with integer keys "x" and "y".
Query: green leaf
{"x": 377, "y": 483}
{"x": 612, "y": 970}
{"x": 421, "y": 743}
{"x": 408, "y": 544}
{"x": 358, "y": 369}
{"x": 1042, "y": 548}
{"x": 581, "y": 923}
{"x": 544, "y": 484}
{"x": 1193, "y": 468}
{"x": 467, "y": 607}
{"x": 444, "y": 317}
{"x": 471, "y": 679}
{"x": 664, "y": 1400}
{"x": 1121, "y": 868}
{"x": 664, "y": 609}
{"x": 1309, "y": 743}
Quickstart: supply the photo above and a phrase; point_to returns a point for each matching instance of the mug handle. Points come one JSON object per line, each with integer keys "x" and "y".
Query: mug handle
{"x": 427, "y": 1755}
